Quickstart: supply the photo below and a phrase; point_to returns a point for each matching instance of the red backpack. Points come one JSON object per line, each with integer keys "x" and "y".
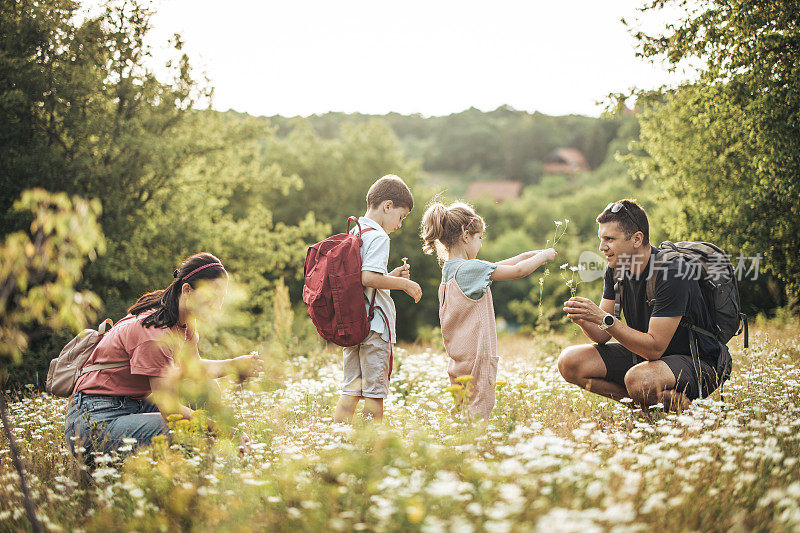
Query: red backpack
{"x": 333, "y": 290}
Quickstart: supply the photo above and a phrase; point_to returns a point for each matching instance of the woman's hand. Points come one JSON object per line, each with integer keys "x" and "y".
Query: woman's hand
{"x": 246, "y": 366}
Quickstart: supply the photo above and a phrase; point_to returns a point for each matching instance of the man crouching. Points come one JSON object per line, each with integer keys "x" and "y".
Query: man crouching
{"x": 650, "y": 361}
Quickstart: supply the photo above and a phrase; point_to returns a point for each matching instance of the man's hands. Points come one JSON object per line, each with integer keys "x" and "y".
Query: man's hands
{"x": 581, "y": 309}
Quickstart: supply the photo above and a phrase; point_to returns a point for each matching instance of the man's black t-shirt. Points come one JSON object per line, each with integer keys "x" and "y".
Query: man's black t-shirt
{"x": 677, "y": 294}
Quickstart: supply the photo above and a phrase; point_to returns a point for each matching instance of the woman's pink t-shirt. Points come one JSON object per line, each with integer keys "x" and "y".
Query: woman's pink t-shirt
{"x": 149, "y": 351}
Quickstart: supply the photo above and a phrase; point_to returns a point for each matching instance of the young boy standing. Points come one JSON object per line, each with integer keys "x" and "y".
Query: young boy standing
{"x": 366, "y": 366}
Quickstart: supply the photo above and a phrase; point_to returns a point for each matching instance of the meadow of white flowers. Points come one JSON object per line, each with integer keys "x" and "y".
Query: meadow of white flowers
{"x": 552, "y": 458}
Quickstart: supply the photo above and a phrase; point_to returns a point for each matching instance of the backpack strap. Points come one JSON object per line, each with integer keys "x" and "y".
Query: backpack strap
{"x": 650, "y": 285}
{"x": 618, "y": 297}
{"x": 688, "y": 325}
{"x": 361, "y": 232}
{"x": 102, "y": 329}
{"x": 746, "y": 332}
{"x": 371, "y": 312}
{"x": 391, "y": 348}
{"x": 618, "y": 305}
{"x": 103, "y": 366}
{"x": 351, "y": 219}
{"x": 358, "y": 224}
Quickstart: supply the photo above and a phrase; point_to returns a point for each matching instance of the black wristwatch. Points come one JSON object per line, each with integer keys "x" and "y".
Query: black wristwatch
{"x": 608, "y": 321}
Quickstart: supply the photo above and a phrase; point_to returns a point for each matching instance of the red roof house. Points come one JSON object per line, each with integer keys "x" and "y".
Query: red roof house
{"x": 565, "y": 161}
{"x": 499, "y": 191}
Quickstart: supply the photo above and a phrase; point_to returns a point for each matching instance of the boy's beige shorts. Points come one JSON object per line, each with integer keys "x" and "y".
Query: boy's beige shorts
{"x": 366, "y": 368}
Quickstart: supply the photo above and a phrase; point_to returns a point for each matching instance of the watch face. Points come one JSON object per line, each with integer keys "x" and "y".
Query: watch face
{"x": 608, "y": 320}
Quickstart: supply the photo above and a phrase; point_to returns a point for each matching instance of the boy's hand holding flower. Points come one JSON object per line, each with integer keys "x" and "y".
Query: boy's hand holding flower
{"x": 403, "y": 271}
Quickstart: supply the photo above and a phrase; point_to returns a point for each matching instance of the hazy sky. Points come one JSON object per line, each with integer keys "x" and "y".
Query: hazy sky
{"x": 300, "y": 57}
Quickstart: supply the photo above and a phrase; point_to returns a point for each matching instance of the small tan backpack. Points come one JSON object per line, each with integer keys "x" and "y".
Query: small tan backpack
{"x": 68, "y": 366}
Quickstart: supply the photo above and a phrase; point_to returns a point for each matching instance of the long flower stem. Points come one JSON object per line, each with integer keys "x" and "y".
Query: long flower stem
{"x": 557, "y": 236}
{"x": 541, "y": 290}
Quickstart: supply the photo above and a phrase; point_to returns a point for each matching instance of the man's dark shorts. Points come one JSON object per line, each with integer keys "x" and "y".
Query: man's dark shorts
{"x": 619, "y": 360}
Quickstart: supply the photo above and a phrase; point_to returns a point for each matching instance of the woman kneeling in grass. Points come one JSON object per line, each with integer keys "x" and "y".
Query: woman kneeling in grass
{"x": 113, "y": 405}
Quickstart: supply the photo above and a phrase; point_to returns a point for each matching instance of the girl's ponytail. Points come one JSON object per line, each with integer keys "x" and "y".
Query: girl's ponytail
{"x": 442, "y": 226}
{"x": 432, "y": 228}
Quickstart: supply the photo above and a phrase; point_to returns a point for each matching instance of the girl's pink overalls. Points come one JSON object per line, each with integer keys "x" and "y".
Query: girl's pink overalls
{"x": 470, "y": 338}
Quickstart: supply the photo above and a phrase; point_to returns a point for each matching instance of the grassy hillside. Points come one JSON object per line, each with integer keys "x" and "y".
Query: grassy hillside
{"x": 552, "y": 458}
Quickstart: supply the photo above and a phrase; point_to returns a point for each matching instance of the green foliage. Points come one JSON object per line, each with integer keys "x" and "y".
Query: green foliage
{"x": 336, "y": 173}
{"x": 504, "y": 143}
{"x": 41, "y": 268}
{"x": 83, "y": 113}
{"x": 726, "y": 146}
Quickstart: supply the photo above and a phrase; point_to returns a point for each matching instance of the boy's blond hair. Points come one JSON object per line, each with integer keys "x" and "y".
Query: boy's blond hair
{"x": 390, "y": 187}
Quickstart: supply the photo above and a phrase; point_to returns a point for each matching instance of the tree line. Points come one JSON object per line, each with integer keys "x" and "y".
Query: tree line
{"x": 83, "y": 114}
{"x": 501, "y": 144}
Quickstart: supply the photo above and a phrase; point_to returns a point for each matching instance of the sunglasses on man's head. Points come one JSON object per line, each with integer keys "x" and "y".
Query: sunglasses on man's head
{"x": 615, "y": 208}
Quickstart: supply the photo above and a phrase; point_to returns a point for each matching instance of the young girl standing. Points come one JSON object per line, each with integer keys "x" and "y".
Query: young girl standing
{"x": 466, "y": 311}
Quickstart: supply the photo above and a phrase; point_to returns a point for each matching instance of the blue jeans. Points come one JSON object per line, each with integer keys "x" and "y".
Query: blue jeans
{"x": 99, "y": 423}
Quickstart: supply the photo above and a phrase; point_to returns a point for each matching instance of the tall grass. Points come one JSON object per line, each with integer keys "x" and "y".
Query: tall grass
{"x": 552, "y": 458}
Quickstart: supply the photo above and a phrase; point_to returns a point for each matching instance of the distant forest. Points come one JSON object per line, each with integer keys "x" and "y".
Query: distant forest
{"x": 501, "y": 144}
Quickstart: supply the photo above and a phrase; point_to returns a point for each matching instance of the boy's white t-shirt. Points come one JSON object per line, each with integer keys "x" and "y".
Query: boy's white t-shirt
{"x": 375, "y": 258}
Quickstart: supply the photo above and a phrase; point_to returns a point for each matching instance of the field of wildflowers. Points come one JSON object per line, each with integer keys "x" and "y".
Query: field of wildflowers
{"x": 552, "y": 458}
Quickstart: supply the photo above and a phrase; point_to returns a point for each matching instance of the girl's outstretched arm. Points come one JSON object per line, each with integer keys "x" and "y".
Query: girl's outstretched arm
{"x": 517, "y": 258}
{"x": 524, "y": 267}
